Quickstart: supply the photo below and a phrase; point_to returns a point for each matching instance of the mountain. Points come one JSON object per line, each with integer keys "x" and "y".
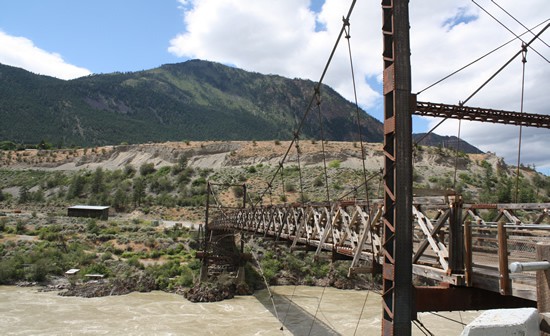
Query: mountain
{"x": 445, "y": 142}
{"x": 194, "y": 100}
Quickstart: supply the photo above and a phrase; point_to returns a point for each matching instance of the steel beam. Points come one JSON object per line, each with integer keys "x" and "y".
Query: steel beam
{"x": 451, "y": 298}
{"x": 397, "y": 218}
{"x": 481, "y": 114}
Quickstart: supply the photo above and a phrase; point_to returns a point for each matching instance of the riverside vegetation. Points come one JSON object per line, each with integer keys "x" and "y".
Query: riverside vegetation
{"x": 158, "y": 192}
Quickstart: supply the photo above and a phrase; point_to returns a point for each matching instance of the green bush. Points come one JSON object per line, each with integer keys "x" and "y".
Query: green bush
{"x": 335, "y": 164}
{"x": 146, "y": 169}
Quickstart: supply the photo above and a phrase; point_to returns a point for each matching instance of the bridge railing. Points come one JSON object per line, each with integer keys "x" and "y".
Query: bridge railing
{"x": 491, "y": 245}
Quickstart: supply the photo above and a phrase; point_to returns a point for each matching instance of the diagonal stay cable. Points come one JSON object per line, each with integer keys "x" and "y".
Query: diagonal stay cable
{"x": 323, "y": 145}
{"x": 312, "y": 99}
{"x": 508, "y": 29}
{"x": 300, "y": 177}
{"x": 510, "y": 15}
{"x": 479, "y": 59}
{"x": 525, "y": 45}
{"x": 357, "y": 115}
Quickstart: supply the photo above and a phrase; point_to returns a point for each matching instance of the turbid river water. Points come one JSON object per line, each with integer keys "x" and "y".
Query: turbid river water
{"x": 299, "y": 310}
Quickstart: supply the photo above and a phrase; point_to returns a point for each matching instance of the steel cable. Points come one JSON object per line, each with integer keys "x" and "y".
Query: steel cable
{"x": 360, "y": 131}
{"x": 523, "y": 61}
{"x": 510, "y": 15}
{"x": 317, "y": 87}
{"x": 479, "y": 59}
{"x": 487, "y": 81}
{"x": 508, "y": 29}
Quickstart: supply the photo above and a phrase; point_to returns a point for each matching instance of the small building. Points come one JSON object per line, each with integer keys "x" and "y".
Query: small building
{"x": 90, "y": 211}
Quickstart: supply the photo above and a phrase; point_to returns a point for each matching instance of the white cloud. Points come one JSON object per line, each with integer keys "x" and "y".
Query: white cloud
{"x": 436, "y": 52}
{"x": 280, "y": 37}
{"x": 21, "y": 52}
{"x": 272, "y": 37}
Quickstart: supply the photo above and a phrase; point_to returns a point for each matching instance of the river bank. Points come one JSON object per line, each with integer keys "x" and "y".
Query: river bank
{"x": 324, "y": 311}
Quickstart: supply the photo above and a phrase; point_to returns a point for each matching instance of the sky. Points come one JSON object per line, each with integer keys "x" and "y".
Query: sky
{"x": 293, "y": 38}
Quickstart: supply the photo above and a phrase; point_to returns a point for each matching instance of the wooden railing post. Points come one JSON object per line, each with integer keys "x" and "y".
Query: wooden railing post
{"x": 468, "y": 252}
{"x": 504, "y": 274}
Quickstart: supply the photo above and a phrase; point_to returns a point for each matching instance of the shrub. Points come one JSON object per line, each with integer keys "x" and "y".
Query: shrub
{"x": 146, "y": 169}
{"x": 334, "y": 164}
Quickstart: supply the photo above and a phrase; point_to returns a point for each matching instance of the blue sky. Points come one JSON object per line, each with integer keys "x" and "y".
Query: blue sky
{"x": 292, "y": 38}
{"x": 101, "y": 35}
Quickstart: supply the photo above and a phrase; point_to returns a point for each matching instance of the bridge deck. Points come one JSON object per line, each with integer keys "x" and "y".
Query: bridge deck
{"x": 350, "y": 229}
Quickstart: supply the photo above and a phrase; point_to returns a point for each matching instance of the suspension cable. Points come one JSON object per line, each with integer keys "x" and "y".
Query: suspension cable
{"x": 282, "y": 170}
{"x": 354, "y": 188}
{"x": 510, "y": 15}
{"x": 479, "y": 59}
{"x": 508, "y": 29}
{"x": 507, "y": 63}
{"x": 298, "y": 151}
{"x": 317, "y": 87}
{"x": 323, "y": 144}
{"x": 523, "y": 61}
{"x": 487, "y": 81}
{"x": 359, "y": 130}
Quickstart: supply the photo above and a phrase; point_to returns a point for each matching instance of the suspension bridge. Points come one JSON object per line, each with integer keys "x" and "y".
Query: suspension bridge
{"x": 466, "y": 249}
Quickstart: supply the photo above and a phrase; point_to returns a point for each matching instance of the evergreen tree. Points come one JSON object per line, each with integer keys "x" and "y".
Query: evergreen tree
{"x": 77, "y": 187}
{"x": 97, "y": 185}
{"x": 139, "y": 190}
{"x": 23, "y": 194}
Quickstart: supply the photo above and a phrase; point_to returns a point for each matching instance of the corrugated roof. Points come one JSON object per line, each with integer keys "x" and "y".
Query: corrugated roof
{"x": 89, "y": 207}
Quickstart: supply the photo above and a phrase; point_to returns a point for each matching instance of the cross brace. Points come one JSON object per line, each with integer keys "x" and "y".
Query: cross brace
{"x": 480, "y": 114}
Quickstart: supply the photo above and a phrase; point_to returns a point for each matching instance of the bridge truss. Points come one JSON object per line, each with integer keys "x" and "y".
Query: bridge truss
{"x": 493, "y": 235}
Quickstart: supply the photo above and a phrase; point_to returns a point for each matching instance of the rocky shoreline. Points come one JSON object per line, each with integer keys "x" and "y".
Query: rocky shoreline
{"x": 211, "y": 291}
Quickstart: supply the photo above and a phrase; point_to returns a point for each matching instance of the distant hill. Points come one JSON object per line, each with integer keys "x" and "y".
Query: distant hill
{"x": 194, "y": 100}
{"x": 446, "y": 142}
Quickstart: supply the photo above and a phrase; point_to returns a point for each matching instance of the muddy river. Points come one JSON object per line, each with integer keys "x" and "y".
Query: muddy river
{"x": 298, "y": 311}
